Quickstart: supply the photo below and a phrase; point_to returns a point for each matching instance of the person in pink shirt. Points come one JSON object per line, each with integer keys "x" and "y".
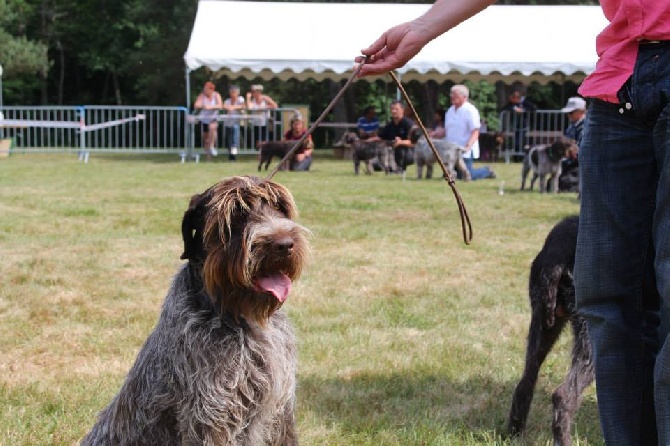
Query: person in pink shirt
{"x": 622, "y": 265}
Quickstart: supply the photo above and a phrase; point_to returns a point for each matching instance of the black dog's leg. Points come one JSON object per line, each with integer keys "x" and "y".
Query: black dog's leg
{"x": 567, "y": 397}
{"x": 540, "y": 341}
{"x": 525, "y": 169}
{"x": 357, "y": 165}
{"x": 429, "y": 171}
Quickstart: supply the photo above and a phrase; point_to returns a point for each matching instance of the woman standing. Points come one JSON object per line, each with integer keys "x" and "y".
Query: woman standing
{"x": 208, "y": 103}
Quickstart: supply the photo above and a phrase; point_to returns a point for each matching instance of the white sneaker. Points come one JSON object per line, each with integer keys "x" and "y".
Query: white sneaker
{"x": 214, "y": 151}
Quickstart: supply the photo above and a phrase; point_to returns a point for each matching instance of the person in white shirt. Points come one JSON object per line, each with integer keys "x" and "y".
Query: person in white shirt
{"x": 461, "y": 123}
{"x": 258, "y": 104}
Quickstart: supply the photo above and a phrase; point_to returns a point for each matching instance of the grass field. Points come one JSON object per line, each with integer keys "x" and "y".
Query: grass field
{"x": 407, "y": 336}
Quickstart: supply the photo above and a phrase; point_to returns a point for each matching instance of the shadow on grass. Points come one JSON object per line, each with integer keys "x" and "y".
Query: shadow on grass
{"x": 425, "y": 407}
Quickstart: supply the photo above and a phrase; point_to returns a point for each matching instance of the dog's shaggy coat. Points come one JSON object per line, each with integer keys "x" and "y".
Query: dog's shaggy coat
{"x": 367, "y": 152}
{"x": 220, "y": 366}
{"x": 450, "y": 153}
{"x": 552, "y": 301}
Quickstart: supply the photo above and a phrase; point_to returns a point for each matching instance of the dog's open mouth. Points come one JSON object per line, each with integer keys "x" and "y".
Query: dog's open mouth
{"x": 279, "y": 285}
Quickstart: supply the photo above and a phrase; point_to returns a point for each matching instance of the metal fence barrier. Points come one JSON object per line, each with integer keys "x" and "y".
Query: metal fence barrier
{"x": 523, "y": 130}
{"x": 174, "y": 130}
{"x": 129, "y": 129}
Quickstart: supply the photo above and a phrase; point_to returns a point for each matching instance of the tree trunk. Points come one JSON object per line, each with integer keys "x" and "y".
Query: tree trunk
{"x": 117, "y": 89}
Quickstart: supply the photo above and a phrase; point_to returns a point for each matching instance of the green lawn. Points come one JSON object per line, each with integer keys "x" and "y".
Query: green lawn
{"x": 407, "y": 336}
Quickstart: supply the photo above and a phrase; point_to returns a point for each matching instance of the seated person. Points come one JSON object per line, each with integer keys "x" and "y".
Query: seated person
{"x": 302, "y": 159}
{"x": 368, "y": 124}
{"x": 437, "y": 129}
{"x": 575, "y": 108}
{"x": 398, "y": 131}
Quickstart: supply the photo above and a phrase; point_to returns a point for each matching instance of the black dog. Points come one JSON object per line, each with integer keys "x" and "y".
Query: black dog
{"x": 552, "y": 300}
{"x": 271, "y": 149}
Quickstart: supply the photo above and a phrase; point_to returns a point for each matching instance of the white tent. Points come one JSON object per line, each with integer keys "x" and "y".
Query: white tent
{"x": 320, "y": 40}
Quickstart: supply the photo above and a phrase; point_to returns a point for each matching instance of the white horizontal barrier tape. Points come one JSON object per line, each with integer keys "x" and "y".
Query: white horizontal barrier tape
{"x": 102, "y": 125}
{"x": 49, "y": 124}
{"x": 66, "y": 124}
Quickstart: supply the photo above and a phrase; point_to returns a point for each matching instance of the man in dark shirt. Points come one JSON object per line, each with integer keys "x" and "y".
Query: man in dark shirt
{"x": 516, "y": 118}
{"x": 397, "y": 131}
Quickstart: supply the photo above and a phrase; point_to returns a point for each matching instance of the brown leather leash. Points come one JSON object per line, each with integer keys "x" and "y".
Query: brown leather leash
{"x": 466, "y": 225}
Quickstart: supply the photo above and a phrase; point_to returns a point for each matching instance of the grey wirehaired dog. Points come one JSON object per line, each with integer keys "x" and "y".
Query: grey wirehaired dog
{"x": 449, "y": 152}
{"x": 545, "y": 160}
{"x": 368, "y": 152}
{"x": 552, "y": 301}
{"x": 219, "y": 368}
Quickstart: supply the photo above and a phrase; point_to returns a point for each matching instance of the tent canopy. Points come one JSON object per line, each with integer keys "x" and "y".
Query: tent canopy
{"x": 320, "y": 40}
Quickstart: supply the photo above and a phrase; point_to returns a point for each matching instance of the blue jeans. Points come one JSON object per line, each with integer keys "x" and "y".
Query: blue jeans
{"x": 622, "y": 265}
{"x": 302, "y": 166}
{"x": 232, "y": 140}
{"x": 476, "y": 173}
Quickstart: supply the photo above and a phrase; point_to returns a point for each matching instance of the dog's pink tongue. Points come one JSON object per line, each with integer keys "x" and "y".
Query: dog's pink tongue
{"x": 279, "y": 285}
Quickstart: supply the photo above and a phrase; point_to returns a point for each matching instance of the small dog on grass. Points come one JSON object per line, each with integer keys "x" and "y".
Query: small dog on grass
{"x": 545, "y": 160}
{"x": 367, "y": 152}
{"x": 219, "y": 368}
{"x": 271, "y": 149}
{"x": 552, "y": 301}
{"x": 450, "y": 153}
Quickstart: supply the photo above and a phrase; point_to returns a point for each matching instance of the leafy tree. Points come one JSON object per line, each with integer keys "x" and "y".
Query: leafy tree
{"x": 18, "y": 54}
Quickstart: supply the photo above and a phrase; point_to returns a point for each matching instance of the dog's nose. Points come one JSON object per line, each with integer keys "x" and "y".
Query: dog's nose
{"x": 284, "y": 246}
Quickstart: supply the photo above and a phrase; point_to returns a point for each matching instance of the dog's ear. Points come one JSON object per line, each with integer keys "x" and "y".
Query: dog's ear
{"x": 414, "y": 134}
{"x": 192, "y": 227}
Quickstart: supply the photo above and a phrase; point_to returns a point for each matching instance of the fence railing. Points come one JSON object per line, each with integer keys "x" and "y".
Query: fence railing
{"x": 134, "y": 129}
{"x": 526, "y": 129}
{"x": 147, "y": 129}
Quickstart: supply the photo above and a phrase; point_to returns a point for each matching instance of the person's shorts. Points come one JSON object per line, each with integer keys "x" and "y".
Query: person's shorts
{"x": 204, "y": 126}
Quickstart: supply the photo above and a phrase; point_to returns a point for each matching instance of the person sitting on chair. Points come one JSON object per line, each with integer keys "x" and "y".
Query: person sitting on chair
{"x": 368, "y": 124}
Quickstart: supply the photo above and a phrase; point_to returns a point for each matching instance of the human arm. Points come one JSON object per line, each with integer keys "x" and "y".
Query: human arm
{"x": 198, "y": 102}
{"x": 474, "y": 137}
{"x": 270, "y": 102}
{"x": 396, "y": 46}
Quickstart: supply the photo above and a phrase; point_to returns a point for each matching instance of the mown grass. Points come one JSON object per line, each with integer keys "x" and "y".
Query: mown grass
{"x": 407, "y": 336}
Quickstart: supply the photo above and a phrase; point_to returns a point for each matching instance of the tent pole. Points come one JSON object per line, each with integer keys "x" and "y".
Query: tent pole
{"x": 188, "y": 88}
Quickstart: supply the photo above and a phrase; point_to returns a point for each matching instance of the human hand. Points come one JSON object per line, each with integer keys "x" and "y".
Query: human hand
{"x": 393, "y": 49}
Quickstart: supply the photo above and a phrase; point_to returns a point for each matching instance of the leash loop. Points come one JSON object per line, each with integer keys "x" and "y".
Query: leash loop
{"x": 466, "y": 225}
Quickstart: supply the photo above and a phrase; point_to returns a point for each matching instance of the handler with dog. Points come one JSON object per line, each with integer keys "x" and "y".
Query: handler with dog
{"x": 622, "y": 265}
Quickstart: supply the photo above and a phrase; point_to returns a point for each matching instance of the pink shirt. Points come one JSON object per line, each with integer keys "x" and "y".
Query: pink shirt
{"x": 617, "y": 45}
